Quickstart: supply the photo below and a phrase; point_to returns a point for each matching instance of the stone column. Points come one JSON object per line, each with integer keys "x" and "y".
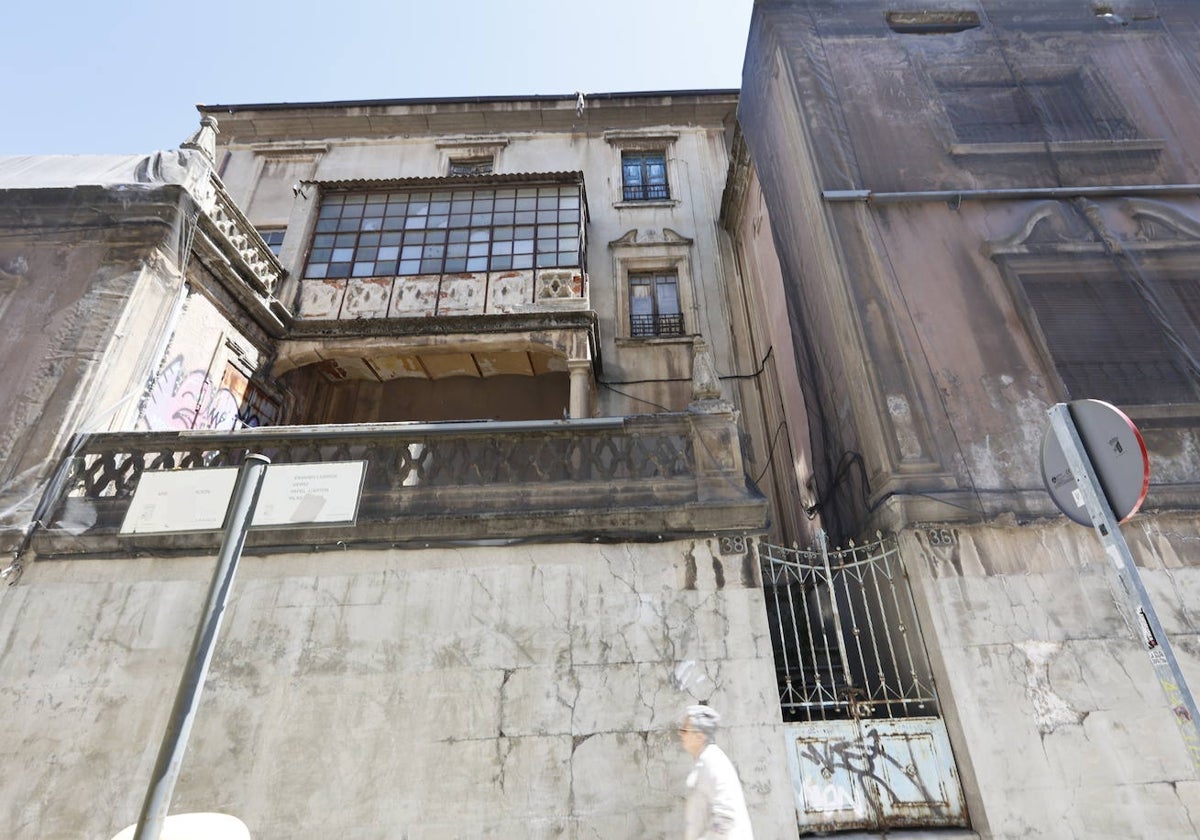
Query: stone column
{"x": 580, "y": 371}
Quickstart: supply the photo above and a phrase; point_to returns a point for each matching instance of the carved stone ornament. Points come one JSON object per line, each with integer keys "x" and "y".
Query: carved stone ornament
{"x": 705, "y": 383}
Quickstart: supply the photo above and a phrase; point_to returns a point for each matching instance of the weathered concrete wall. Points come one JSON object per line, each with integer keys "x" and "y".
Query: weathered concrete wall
{"x": 1058, "y": 723}
{"x": 480, "y": 692}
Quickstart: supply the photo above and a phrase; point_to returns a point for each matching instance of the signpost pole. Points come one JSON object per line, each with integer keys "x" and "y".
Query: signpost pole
{"x": 1162, "y": 656}
{"x": 187, "y": 699}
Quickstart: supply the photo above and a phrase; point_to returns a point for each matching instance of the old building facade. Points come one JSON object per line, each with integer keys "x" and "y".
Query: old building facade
{"x": 982, "y": 209}
{"x": 516, "y": 312}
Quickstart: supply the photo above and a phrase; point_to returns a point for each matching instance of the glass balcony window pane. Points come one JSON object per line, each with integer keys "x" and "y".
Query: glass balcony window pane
{"x": 483, "y": 203}
{"x": 410, "y": 252}
{"x": 459, "y": 249}
{"x": 523, "y": 246}
{"x": 501, "y": 263}
{"x": 348, "y": 224}
{"x": 373, "y": 211}
{"x": 320, "y": 255}
{"x": 353, "y": 199}
{"x": 316, "y": 271}
{"x": 522, "y": 261}
{"x": 339, "y": 269}
{"x": 343, "y": 254}
{"x": 456, "y": 264}
{"x": 389, "y": 239}
{"x": 547, "y": 260}
{"x": 442, "y": 195}
{"x": 502, "y": 234}
{"x": 385, "y": 268}
{"x": 367, "y": 254}
{"x": 528, "y": 203}
{"x": 461, "y": 205}
{"x": 323, "y": 241}
{"x": 435, "y": 236}
{"x": 345, "y": 240}
{"x": 459, "y": 221}
{"x": 459, "y": 235}
{"x": 330, "y": 211}
{"x": 368, "y": 239}
{"x": 389, "y": 253}
{"x": 352, "y": 212}
{"x": 431, "y": 266}
{"x": 505, "y": 205}
{"x": 481, "y": 218}
{"x": 477, "y": 264}
{"x": 430, "y": 252}
{"x": 363, "y": 269}
{"x": 478, "y": 249}
{"x": 392, "y": 223}
{"x": 480, "y": 235}
{"x": 439, "y": 221}
{"x": 503, "y": 218}
{"x": 439, "y": 208}
{"x": 327, "y": 225}
{"x": 505, "y": 248}
{"x": 410, "y": 266}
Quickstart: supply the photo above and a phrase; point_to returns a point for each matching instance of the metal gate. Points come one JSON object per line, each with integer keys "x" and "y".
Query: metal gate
{"x": 867, "y": 745}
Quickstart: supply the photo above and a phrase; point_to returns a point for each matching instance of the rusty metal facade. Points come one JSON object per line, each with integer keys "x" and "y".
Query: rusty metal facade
{"x": 866, "y": 744}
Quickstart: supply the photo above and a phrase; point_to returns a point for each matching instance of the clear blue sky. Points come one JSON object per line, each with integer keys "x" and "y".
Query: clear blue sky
{"x": 85, "y": 76}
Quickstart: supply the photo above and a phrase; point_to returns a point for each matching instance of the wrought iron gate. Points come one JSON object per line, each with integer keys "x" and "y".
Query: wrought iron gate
{"x": 867, "y": 745}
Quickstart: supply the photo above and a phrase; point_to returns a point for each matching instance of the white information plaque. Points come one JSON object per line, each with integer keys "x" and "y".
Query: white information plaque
{"x": 292, "y": 494}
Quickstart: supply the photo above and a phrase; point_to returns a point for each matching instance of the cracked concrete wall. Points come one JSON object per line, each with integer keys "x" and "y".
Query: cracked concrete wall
{"x": 1058, "y": 722}
{"x": 476, "y": 692}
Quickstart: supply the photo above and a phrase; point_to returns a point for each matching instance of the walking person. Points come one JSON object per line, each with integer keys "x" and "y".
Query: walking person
{"x": 716, "y": 806}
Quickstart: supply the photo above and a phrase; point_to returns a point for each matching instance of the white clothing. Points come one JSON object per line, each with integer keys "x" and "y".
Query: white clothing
{"x": 716, "y": 806}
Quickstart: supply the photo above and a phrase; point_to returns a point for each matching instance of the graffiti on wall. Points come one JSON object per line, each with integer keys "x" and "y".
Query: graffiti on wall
{"x": 182, "y": 399}
{"x": 868, "y": 765}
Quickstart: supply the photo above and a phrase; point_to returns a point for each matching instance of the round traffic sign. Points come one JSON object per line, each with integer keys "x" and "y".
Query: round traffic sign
{"x": 1118, "y": 455}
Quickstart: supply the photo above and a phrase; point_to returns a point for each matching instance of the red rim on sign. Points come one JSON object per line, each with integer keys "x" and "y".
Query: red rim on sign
{"x": 1118, "y": 455}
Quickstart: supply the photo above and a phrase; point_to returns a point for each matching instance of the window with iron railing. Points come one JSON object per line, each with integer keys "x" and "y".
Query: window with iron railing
{"x": 654, "y": 305}
{"x": 644, "y": 176}
{"x": 396, "y": 233}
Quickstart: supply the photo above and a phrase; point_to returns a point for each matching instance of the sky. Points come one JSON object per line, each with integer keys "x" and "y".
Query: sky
{"x": 124, "y": 77}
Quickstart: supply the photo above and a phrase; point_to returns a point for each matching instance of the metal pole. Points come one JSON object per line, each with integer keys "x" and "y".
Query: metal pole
{"x": 170, "y": 755}
{"x": 1162, "y": 657}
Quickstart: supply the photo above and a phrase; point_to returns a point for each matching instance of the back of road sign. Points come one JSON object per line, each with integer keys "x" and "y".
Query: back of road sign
{"x": 1118, "y": 455}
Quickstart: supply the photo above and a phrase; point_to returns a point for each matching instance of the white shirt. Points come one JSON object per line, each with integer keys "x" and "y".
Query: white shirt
{"x": 716, "y": 807}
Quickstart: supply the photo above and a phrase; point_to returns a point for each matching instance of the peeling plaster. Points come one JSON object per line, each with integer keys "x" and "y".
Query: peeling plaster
{"x": 1050, "y": 710}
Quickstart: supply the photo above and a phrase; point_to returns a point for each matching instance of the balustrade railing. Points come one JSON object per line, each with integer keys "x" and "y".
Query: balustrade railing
{"x": 613, "y": 467}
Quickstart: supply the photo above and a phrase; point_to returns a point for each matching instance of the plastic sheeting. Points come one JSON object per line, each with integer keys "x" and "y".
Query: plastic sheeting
{"x": 87, "y": 301}
{"x": 976, "y": 221}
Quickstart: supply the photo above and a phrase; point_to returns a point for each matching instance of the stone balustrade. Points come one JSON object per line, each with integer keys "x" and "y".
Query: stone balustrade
{"x": 645, "y": 477}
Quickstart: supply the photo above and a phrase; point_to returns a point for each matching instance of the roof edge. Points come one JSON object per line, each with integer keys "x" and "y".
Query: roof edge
{"x": 459, "y": 100}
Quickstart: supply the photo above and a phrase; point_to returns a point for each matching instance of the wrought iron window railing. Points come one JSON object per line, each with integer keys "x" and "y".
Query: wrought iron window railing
{"x": 646, "y": 192}
{"x": 655, "y": 325}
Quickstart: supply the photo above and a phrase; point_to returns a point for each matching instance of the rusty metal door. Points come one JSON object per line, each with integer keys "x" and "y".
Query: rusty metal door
{"x": 867, "y": 746}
